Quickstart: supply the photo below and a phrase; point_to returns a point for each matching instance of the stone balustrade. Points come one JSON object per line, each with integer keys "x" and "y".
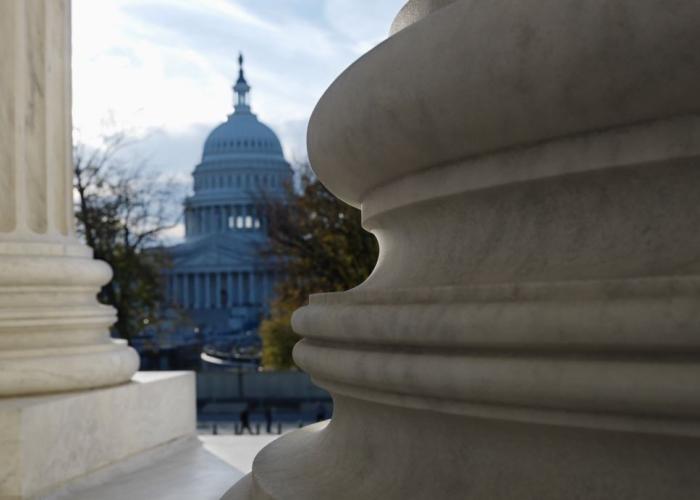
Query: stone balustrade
{"x": 531, "y": 171}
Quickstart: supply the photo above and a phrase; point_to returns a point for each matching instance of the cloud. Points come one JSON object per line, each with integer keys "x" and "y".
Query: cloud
{"x": 365, "y": 26}
{"x": 163, "y": 69}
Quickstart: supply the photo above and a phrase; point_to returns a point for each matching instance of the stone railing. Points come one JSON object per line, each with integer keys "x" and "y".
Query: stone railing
{"x": 531, "y": 170}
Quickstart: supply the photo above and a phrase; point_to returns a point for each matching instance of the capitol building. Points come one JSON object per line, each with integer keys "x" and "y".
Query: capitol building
{"x": 219, "y": 276}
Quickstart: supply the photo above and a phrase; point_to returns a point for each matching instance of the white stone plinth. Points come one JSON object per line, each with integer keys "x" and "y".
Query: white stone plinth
{"x": 48, "y": 441}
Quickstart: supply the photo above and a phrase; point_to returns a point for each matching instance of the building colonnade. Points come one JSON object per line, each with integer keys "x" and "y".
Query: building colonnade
{"x": 221, "y": 289}
{"x": 225, "y": 217}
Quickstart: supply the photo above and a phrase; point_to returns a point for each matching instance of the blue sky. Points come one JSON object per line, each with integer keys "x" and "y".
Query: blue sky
{"x": 162, "y": 70}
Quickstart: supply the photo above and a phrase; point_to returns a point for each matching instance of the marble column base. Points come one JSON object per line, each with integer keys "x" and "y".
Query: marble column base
{"x": 48, "y": 441}
{"x": 373, "y": 450}
{"x": 54, "y": 335}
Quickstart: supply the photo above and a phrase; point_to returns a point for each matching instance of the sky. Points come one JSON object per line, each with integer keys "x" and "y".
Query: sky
{"x": 161, "y": 70}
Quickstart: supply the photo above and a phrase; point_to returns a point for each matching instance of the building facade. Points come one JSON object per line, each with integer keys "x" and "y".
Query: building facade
{"x": 219, "y": 275}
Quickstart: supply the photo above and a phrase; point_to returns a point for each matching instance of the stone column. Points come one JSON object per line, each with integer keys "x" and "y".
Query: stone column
{"x": 176, "y": 291}
{"x": 54, "y": 336}
{"x": 207, "y": 290}
{"x": 239, "y": 287}
{"x": 229, "y": 289}
{"x": 197, "y": 291}
{"x": 186, "y": 290}
{"x": 252, "y": 288}
{"x": 531, "y": 171}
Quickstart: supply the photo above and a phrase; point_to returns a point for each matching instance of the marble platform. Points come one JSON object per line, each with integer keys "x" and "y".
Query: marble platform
{"x": 49, "y": 442}
{"x": 197, "y": 468}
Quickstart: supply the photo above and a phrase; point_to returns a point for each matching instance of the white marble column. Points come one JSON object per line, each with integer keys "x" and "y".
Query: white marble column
{"x": 197, "y": 291}
{"x": 186, "y": 291}
{"x": 217, "y": 298}
{"x": 239, "y": 286}
{"x": 252, "y": 292}
{"x": 531, "y": 171}
{"x": 54, "y": 336}
{"x": 229, "y": 289}
{"x": 175, "y": 290}
{"x": 207, "y": 290}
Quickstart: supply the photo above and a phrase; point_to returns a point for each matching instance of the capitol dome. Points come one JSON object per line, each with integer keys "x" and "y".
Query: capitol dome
{"x": 242, "y": 133}
{"x": 240, "y": 157}
{"x": 219, "y": 278}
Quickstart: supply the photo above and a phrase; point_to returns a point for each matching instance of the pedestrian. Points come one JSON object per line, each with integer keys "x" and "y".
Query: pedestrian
{"x": 268, "y": 419}
{"x": 245, "y": 420}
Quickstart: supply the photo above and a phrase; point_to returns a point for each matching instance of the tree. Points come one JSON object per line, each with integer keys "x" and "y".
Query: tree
{"x": 321, "y": 246}
{"x": 122, "y": 209}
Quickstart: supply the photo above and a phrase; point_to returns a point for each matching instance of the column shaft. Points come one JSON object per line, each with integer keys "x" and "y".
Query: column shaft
{"x": 54, "y": 335}
{"x": 197, "y": 291}
{"x": 207, "y": 290}
{"x": 229, "y": 289}
{"x": 252, "y": 291}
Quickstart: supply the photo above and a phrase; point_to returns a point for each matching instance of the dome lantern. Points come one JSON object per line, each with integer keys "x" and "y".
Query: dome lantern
{"x": 242, "y": 135}
{"x": 241, "y": 90}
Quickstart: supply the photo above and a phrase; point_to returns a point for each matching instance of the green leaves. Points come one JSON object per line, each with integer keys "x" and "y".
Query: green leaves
{"x": 121, "y": 210}
{"x": 321, "y": 246}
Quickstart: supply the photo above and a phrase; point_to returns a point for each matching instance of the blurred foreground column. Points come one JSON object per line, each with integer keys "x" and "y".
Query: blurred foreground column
{"x": 54, "y": 336}
{"x": 531, "y": 170}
